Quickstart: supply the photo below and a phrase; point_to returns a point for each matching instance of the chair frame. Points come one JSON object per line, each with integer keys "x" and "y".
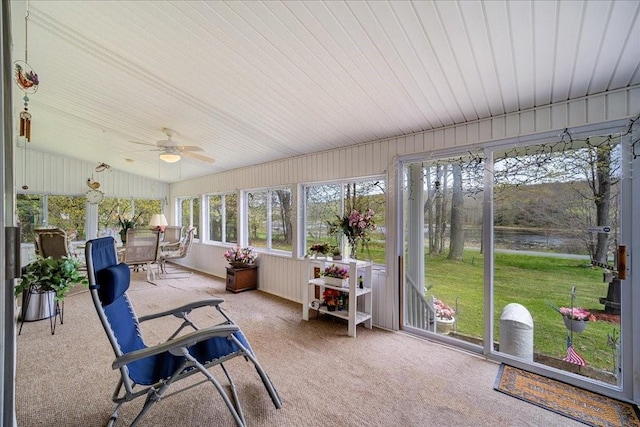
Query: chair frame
{"x": 132, "y": 258}
{"x": 184, "y": 247}
{"x": 176, "y": 344}
{"x": 172, "y": 234}
{"x": 51, "y": 233}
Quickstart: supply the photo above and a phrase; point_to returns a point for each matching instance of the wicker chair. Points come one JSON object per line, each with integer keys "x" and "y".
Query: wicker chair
{"x": 51, "y": 242}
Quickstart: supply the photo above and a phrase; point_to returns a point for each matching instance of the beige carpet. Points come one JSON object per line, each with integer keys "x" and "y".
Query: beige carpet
{"x": 324, "y": 377}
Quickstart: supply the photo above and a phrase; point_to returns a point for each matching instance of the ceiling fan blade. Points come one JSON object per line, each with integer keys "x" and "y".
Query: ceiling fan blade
{"x": 198, "y": 156}
{"x": 190, "y": 148}
{"x": 143, "y": 143}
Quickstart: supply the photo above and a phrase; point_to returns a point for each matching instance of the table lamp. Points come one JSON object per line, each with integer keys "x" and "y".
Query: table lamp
{"x": 158, "y": 222}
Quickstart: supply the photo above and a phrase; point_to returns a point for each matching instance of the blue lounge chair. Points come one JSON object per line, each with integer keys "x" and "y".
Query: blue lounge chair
{"x": 150, "y": 371}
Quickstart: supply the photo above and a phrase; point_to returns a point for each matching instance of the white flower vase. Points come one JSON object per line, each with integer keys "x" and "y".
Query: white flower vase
{"x": 574, "y": 325}
{"x": 445, "y": 326}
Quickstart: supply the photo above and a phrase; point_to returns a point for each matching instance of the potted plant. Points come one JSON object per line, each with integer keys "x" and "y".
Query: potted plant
{"x": 49, "y": 278}
{"x": 445, "y": 316}
{"x": 319, "y": 249}
{"x": 330, "y": 297}
{"x": 576, "y": 318}
{"x": 336, "y": 253}
{"x": 336, "y": 276}
{"x": 240, "y": 257}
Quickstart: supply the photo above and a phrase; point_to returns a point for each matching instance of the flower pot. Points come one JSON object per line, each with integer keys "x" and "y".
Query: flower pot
{"x": 38, "y": 306}
{"x": 574, "y": 325}
{"x": 445, "y": 326}
{"x": 239, "y": 264}
{"x": 335, "y": 281}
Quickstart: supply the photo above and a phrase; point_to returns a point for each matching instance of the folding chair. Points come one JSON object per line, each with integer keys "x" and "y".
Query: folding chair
{"x": 150, "y": 371}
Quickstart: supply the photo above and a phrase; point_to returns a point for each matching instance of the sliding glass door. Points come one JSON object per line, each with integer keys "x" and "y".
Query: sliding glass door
{"x": 444, "y": 268}
{"x": 521, "y": 251}
{"x": 556, "y": 231}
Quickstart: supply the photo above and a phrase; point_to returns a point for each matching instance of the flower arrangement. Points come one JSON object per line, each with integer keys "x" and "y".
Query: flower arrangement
{"x": 330, "y": 297}
{"x": 355, "y": 226}
{"x": 576, "y": 313}
{"x": 240, "y": 256}
{"x": 335, "y": 271}
{"x": 320, "y": 248}
{"x": 443, "y": 311}
{"x": 127, "y": 222}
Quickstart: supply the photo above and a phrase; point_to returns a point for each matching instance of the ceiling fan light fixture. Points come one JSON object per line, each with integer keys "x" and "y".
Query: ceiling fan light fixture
{"x": 170, "y": 157}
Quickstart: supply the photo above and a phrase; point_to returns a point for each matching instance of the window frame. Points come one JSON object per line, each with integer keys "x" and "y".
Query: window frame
{"x": 179, "y": 216}
{"x": 303, "y": 243}
{"x": 269, "y": 218}
{"x": 223, "y": 218}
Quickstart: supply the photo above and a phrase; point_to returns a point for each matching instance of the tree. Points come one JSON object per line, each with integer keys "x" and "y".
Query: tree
{"x": 456, "y": 241}
{"x": 286, "y": 214}
{"x": 601, "y": 189}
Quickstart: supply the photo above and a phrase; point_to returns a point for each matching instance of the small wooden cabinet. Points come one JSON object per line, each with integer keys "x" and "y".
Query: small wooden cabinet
{"x": 242, "y": 279}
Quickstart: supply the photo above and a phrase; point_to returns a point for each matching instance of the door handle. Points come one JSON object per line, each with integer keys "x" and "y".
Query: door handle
{"x": 622, "y": 262}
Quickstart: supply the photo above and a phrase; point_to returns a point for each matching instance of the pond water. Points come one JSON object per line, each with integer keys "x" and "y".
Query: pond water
{"x": 527, "y": 239}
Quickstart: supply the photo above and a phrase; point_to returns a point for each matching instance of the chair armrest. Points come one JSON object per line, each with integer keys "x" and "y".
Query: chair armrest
{"x": 183, "y": 341}
{"x": 170, "y": 246}
{"x": 185, "y": 309}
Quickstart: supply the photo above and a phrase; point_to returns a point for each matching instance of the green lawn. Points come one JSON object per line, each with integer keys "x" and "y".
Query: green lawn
{"x": 534, "y": 282}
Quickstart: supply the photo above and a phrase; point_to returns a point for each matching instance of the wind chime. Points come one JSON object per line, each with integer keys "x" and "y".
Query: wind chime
{"x": 28, "y": 81}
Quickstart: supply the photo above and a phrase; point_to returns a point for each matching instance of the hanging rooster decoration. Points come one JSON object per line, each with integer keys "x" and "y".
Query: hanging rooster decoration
{"x": 28, "y": 81}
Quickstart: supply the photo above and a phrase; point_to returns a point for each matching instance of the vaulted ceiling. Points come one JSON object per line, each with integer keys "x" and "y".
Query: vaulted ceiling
{"x": 250, "y": 82}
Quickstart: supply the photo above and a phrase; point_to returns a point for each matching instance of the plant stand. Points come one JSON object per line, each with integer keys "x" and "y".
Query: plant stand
{"x": 38, "y": 305}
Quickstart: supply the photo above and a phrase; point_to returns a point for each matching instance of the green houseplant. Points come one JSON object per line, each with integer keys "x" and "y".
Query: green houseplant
{"x": 48, "y": 274}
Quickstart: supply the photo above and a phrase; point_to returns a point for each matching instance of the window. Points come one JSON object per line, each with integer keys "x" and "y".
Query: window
{"x": 223, "y": 217}
{"x": 189, "y": 213}
{"x": 30, "y": 215}
{"x": 112, "y": 207}
{"x": 69, "y": 214}
{"x": 38, "y": 210}
{"x": 324, "y": 203}
{"x": 270, "y": 214}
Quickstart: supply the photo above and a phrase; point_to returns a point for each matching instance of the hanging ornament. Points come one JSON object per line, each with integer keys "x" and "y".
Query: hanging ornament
{"x": 27, "y": 80}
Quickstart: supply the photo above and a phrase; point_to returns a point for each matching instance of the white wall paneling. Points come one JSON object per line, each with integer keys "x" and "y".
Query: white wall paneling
{"x": 50, "y": 174}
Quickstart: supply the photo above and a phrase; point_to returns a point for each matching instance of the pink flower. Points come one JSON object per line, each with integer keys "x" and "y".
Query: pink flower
{"x": 577, "y": 314}
{"x": 335, "y": 271}
{"x": 443, "y": 311}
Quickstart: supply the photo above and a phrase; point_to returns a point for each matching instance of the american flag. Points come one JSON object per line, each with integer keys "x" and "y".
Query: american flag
{"x": 572, "y": 356}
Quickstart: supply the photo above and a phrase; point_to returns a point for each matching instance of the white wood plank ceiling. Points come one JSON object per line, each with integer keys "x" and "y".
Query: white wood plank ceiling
{"x": 251, "y": 82}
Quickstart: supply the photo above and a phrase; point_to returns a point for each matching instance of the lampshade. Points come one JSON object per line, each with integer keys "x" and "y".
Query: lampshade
{"x": 170, "y": 157}
{"x": 158, "y": 220}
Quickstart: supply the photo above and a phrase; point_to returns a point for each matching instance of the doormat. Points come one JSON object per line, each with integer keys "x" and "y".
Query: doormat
{"x": 581, "y": 405}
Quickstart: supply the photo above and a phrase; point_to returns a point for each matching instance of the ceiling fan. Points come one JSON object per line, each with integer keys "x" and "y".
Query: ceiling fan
{"x": 171, "y": 152}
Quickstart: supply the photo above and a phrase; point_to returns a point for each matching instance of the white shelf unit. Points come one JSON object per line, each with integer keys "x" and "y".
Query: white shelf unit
{"x": 360, "y": 300}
